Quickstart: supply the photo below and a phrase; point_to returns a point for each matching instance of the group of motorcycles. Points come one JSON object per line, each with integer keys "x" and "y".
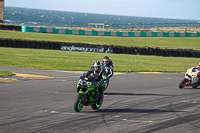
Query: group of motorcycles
{"x": 86, "y": 88}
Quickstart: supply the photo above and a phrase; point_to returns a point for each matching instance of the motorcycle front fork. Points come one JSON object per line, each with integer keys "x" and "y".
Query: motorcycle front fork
{"x": 188, "y": 82}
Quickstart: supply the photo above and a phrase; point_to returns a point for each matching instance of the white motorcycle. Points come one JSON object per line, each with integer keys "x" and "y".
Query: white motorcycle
{"x": 192, "y": 78}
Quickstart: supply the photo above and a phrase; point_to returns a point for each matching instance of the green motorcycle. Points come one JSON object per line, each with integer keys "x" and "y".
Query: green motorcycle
{"x": 86, "y": 89}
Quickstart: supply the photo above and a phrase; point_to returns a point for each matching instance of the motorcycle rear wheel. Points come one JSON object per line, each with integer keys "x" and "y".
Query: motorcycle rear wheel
{"x": 78, "y": 103}
{"x": 195, "y": 85}
{"x": 182, "y": 84}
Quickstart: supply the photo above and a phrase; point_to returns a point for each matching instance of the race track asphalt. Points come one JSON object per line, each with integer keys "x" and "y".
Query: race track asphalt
{"x": 133, "y": 103}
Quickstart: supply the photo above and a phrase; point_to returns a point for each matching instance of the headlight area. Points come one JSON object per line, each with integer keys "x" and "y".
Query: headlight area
{"x": 80, "y": 81}
{"x": 88, "y": 83}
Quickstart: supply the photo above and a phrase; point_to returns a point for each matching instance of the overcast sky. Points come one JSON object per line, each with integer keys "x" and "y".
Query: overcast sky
{"x": 178, "y": 9}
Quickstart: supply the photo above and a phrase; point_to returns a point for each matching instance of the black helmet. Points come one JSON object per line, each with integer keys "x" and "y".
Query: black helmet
{"x": 97, "y": 66}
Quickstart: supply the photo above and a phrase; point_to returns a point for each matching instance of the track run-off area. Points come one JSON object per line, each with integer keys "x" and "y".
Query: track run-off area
{"x": 133, "y": 103}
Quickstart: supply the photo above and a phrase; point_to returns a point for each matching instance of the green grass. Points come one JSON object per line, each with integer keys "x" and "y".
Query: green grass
{"x": 82, "y": 61}
{"x": 162, "y": 42}
{"x": 5, "y": 73}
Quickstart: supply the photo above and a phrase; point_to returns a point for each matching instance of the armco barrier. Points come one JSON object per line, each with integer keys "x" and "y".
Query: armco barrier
{"x": 16, "y": 43}
{"x": 109, "y": 33}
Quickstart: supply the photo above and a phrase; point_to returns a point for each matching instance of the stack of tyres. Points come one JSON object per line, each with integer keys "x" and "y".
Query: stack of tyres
{"x": 151, "y": 51}
{"x": 42, "y": 46}
{"x": 19, "y": 43}
{"x": 1, "y": 42}
{"x": 116, "y": 49}
{"x": 157, "y": 52}
{"x": 9, "y": 43}
{"x": 38, "y": 44}
{"x": 123, "y": 50}
{"x": 14, "y": 43}
{"x": 57, "y": 45}
{"x": 46, "y": 45}
{"x": 137, "y": 51}
{"x": 131, "y": 50}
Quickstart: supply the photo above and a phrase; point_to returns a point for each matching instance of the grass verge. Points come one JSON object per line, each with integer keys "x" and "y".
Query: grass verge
{"x": 162, "y": 42}
{"x": 82, "y": 61}
{"x": 5, "y": 73}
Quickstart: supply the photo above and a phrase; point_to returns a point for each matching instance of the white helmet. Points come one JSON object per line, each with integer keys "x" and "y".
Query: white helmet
{"x": 97, "y": 64}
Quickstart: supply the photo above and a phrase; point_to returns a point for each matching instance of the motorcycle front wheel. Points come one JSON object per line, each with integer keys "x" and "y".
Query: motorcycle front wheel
{"x": 96, "y": 106}
{"x": 182, "y": 84}
{"x": 78, "y": 103}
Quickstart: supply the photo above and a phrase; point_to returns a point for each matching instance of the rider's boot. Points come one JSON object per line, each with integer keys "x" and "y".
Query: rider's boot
{"x": 100, "y": 100}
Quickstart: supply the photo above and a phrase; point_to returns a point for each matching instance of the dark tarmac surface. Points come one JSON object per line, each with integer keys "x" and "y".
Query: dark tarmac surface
{"x": 133, "y": 103}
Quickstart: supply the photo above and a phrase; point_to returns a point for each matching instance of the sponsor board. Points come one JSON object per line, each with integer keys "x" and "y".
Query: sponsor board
{"x": 100, "y": 49}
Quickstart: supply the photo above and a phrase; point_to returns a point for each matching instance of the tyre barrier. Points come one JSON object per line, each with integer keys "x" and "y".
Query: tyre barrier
{"x": 10, "y": 27}
{"x": 16, "y": 43}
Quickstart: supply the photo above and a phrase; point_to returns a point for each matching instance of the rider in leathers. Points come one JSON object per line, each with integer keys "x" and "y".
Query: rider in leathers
{"x": 108, "y": 66}
{"x": 100, "y": 75}
{"x": 198, "y": 70}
